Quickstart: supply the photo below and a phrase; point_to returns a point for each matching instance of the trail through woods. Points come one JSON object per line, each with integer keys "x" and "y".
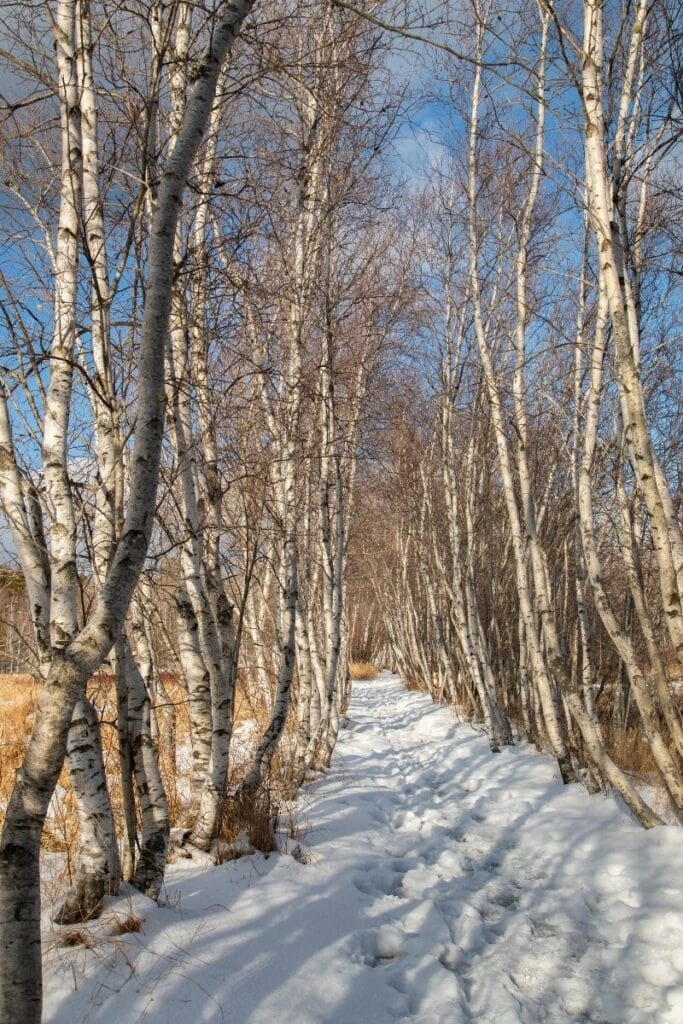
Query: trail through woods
{"x": 433, "y": 882}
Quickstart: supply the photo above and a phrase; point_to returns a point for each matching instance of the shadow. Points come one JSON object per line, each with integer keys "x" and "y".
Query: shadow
{"x": 501, "y": 896}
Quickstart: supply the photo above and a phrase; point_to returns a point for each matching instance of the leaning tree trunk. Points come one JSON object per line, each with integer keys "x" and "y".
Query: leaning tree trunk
{"x": 548, "y": 693}
{"x": 605, "y": 195}
{"x": 20, "y": 963}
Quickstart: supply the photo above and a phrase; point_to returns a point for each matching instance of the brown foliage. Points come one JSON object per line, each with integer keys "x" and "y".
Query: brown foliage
{"x": 126, "y": 925}
{"x": 18, "y": 695}
{"x": 629, "y": 750}
{"x": 76, "y": 937}
{"x": 363, "y": 670}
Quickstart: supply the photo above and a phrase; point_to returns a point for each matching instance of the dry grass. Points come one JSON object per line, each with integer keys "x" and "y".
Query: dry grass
{"x": 417, "y": 685}
{"x": 630, "y": 751}
{"x": 248, "y": 824}
{"x": 126, "y": 925}
{"x": 18, "y": 688}
{"x": 260, "y": 819}
{"x": 363, "y": 670}
{"x": 76, "y": 937}
{"x": 18, "y": 695}
{"x": 253, "y": 826}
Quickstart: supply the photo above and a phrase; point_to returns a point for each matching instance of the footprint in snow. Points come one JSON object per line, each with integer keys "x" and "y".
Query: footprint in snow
{"x": 478, "y": 816}
{"x": 491, "y": 915}
{"x": 401, "y": 862}
{"x": 506, "y": 900}
{"x": 388, "y": 943}
{"x": 543, "y": 929}
{"x": 379, "y": 882}
{"x": 378, "y": 946}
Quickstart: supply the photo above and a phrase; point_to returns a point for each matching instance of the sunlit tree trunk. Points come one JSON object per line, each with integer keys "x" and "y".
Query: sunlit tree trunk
{"x": 549, "y": 696}
{"x": 20, "y": 972}
{"x": 604, "y": 188}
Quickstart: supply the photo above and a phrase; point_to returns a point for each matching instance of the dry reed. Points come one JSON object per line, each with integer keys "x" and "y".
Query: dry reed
{"x": 363, "y": 670}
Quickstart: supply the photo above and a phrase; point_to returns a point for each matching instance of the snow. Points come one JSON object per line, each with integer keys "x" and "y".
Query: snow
{"x": 433, "y": 882}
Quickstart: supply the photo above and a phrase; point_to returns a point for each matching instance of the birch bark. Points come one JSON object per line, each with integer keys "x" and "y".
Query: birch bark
{"x": 604, "y": 192}
{"x": 547, "y": 689}
{"x": 20, "y": 972}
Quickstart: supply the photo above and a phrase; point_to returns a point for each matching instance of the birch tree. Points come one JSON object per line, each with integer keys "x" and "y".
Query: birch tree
{"x": 562, "y": 625}
{"x": 75, "y": 658}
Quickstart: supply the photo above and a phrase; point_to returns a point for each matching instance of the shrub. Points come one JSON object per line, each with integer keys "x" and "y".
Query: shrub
{"x": 363, "y": 670}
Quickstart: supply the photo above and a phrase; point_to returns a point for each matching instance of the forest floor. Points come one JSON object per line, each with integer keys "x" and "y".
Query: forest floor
{"x": 432, "y": 881}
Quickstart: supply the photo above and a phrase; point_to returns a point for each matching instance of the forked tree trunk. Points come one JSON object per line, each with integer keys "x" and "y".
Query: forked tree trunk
{"x": 20, "y": 962}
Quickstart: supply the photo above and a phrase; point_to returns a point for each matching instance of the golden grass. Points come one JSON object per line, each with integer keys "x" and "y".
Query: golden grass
{"x": 630, "y": 751}
{"x": 362, "y": 670}
{"x": 255, "y": 822}
{"x": 126, "y": 925}
{"x": 416, "y": 684}
{"x": 18, "y": 694}
{"x": 255, "y": 818}
{"x": 18, "y": 697}
{"x": 18, "y": 688}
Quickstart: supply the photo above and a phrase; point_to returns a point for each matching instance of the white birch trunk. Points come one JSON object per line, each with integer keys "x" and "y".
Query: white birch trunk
{"x": 151, "y": 863}
{"x": 602, "y": 190}
{"x": 97, "y": 874}
{"x": 20, "y": 971}
{"x": 669, "y": 769}
{"x": 198, "y": 684}
{"x": 547, "y": 690}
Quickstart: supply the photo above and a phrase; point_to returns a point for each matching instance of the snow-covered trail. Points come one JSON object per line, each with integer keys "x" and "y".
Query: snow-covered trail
{"x": 445, "y": 885}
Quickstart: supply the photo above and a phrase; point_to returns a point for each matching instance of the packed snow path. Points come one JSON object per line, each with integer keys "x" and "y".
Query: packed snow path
{"x": 445, "y": 885}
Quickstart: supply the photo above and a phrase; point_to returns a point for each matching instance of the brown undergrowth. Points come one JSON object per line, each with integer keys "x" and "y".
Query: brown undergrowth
{"x": 18, "y": 695}
{"x": 629, "y": 749}
{"x": 256, "y": 821}
{"x": 253, "y": 821}
{"x": 362, "y": 670}
{"x": 248, "y": 824}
